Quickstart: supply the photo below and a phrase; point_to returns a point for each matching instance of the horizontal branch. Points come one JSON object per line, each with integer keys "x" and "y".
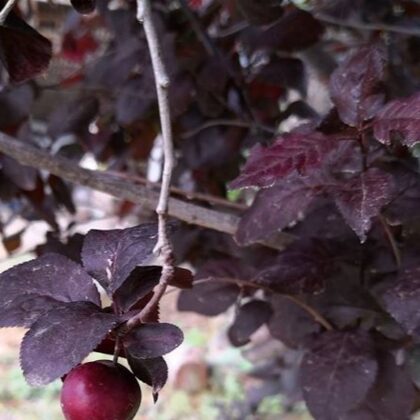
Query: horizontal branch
{"x": 368, "y": 26}
{"x": 126, "y": 190}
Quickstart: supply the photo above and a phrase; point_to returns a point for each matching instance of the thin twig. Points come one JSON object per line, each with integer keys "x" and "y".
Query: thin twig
{"x": 215, "y": 123}
{"x": 368, "y": 26}
{"x": 311, "y": 311}
{"x": 391, "y": 240}
{"x": 202, "y": 36}
{"x": 8, "y": 7}
{"x": 213, "y": 51}
{"x": 232, "y": 30}
{"x": 163, "y": 246}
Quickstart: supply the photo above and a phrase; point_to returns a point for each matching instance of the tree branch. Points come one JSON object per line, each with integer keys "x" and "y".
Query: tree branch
{"x": 179, "y": 209}
{"x": 216, "y": 123}
{"x": 8, "y": 7}
{"x": 368, "y": 26}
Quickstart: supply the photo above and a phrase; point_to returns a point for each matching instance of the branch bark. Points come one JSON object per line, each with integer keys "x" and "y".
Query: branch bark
{"x": 183, "y": 210}
{"x": 163, "y": 247}
{"x": 8, "y": 7}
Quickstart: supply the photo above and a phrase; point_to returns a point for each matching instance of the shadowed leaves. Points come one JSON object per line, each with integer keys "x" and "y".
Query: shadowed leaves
{"x": 294, "y": 152}
{"x": 400, "y": 118}
{"x": 337, "y": 373}
{"x": 153, "y": 340}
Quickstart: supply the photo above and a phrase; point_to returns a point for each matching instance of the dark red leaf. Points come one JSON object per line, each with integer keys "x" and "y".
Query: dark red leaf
{"x": 337, "y": 373}
{"x": 84, "y": 6}
{"x": 216, "y": 289}
{"x": 61, "y": 339}
{"x": 302, "y": 268}
{"x": 356, "y": 85}
{"x": 299, "y": 152}
{"x": 24, "y": 52}
{"x": 399, "y": 117}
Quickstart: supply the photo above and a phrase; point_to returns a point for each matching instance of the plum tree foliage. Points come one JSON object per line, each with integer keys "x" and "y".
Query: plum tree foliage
{"x": 295, "y": 127}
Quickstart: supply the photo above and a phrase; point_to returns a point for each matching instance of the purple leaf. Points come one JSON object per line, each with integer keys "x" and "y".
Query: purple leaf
{"x": 302, "y": 268}
{"x": 274, "y": 209}
{"x": 50, "y": 278}
{"x": 61, "y": 193}
{"x": 249, "y": 318}
{"x": 286, "y": 33}
{"x": 153, "y": 340}
{"x": 84, "y": 6}
{"x": 16, "y": 104}
{"x": 25, "y": 177}
{"x": 140, "y": 282}
{"x": 401, "y": 300}
{"x": 285, "y": 72}
{"x": 210, "y": 299}
{"x": 392, "y": 397}
{"x": 110, "y": 256}
{"x": 401, "y": 117}
{"x": 24, "y": 310}
{"x": 218, "y": 291}
{"x": 71, "y": 248}
{"x": 73, "y": 116}
{"x": 153, "y": 372}
{"x": 361, "y": 198}
{"x": 143, "y": 280}
{"x": 260, "y": 12}
{"x": 291, "y": 324}
{"x": 135, "y": 99}
{"x": 356, "y": 85}
{"x": 24, "y": 52}
{"x": 61, "y": 339}
{"x": 300, "y": 152}
{"x": 337, "y": 373}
